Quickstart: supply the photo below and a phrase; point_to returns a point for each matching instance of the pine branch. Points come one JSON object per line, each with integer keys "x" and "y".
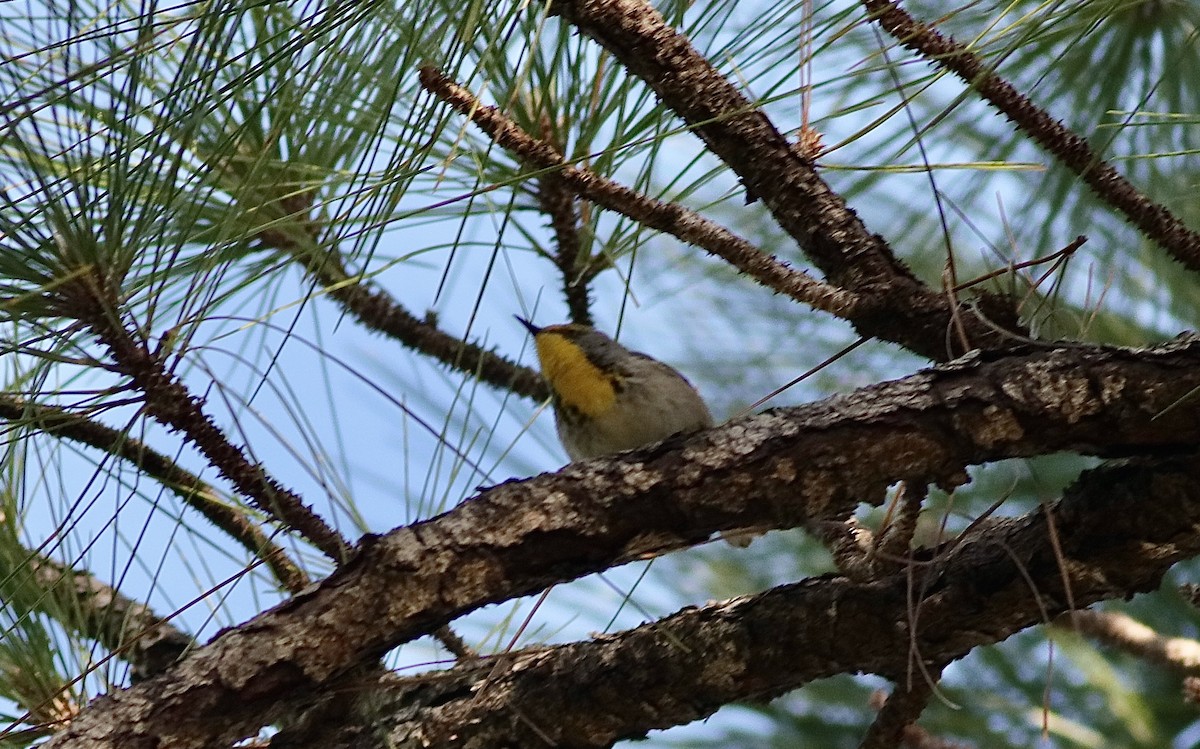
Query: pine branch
{"x": 377, "y": 310}
{"x": 771, "y": 470}
{"x": 188, "y": 487}
{"x": 894, "y": 304}
{"x": 1120, "y": 527}
{"x": 674, "y": 219}
{"x": 89, "y": 299}
{"x": 126, "y": 628}
{"x": 1152, "y": 219}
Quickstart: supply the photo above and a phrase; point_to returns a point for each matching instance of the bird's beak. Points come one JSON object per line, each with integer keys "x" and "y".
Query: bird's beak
{"x": 533, "y": 329}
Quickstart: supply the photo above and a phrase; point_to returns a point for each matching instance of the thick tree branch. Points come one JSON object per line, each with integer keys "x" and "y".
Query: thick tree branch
{"x": 1119, "y": 529}
{"x": 776, "y": 469}
{"x": 902, "y": 309}
{"x": 1153, "y": 219}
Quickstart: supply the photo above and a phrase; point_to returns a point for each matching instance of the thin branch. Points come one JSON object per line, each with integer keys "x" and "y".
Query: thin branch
{"x": 894, "y": 304}
{"x": 378, "y": 311}
{"x": 560, "y": 205}
{"x": 298, "y": 234}
{"x": 776, "y": 469}
{"x": 674, "y": 219}
{"x": 125, "y": 627}
{"x": 194, "y": 492}
{"x": 90, "y": 300}
{"x": 1153, "y": 219}
{"x": 1055, "y": 257}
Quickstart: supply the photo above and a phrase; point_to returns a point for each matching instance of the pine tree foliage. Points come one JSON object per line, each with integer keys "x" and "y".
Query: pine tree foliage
{"x": 278, "y": 467}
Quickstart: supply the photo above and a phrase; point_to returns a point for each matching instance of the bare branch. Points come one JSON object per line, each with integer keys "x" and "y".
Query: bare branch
{"x": 1153, "y": 219}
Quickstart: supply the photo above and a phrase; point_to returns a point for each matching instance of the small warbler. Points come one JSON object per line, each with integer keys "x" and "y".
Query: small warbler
{"x": 607, "y": 398}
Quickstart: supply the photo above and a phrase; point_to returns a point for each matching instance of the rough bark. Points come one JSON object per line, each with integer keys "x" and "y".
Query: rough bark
{"x": 778, "y": 469}
{"x": 1117, "y": 531}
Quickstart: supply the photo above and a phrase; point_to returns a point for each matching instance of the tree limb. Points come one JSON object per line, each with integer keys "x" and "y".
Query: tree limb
{"x": 899, "y": 307}
{"x": 1152, "y": 219}
{"x": 776, "y": 469}
{"x": 1120, "y": 529}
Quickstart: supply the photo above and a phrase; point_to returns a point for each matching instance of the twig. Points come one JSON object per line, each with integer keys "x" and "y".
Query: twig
{"x": 1054, "y": 257}
{"x": 378, "y": 311}
{"x": 559, "y": 204}
{"x": 671, "y": 218}
{"x": 297, "y": 233}
{"x": 91, "y": 300}
{"x": 1153, "y": 219}
{"x": 194, "y": 492}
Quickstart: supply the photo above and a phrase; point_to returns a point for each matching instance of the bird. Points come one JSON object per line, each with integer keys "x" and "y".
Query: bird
{"x": 607, "y": 398}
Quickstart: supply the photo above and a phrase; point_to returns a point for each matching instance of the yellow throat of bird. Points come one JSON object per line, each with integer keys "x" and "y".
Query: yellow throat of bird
{"x": 577, "y": 382}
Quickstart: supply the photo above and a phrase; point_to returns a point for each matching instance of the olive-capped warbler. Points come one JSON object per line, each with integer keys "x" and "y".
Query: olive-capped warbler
{"x": 608, "y": 398}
